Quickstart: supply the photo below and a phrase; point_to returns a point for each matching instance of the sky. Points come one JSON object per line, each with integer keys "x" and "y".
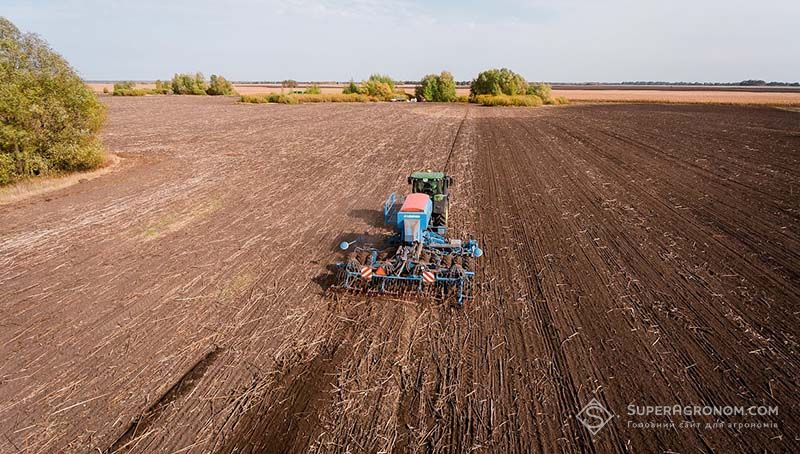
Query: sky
{"x": 321, "y": 40}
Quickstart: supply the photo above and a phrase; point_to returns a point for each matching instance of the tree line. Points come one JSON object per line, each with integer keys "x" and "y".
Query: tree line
{"x": 181, "y": 84}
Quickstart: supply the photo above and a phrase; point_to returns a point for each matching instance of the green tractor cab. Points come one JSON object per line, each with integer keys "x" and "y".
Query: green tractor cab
{"x": 437, "y": 186}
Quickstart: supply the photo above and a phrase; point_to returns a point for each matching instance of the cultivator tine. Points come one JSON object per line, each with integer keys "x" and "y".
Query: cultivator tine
{"x": 455, "y": 286}
{"x": 413, "y": 271}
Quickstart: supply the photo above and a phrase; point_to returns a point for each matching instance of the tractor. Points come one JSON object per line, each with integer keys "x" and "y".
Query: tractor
{"x": 437, "y": 186}
{"x": 418, "y": 256}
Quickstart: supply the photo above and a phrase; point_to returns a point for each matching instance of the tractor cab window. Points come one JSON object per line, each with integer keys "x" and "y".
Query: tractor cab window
{"x": 430, "y": 187}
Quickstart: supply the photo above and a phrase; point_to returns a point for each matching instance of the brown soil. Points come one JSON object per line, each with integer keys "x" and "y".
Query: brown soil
{"x": 638, "y": 254}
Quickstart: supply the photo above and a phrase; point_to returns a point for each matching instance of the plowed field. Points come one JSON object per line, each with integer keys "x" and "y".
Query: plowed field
{"x": 636, "y": 254}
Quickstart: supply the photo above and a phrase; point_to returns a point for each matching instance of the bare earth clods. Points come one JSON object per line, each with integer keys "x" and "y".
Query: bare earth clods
{"x": 637, "y": 254}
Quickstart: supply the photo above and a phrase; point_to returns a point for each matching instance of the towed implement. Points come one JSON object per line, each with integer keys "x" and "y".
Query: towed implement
{"x": 418, "y": 257}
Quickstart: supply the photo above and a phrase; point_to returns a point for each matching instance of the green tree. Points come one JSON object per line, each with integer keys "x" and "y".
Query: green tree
{"x": 49, "y": 118}
{"x": 186, "y": 84}
{"x": 441, "y": 88}
{"x": 377, "y": 89}
{"x": 382, "y": 78}
{"x": 219, "y": 86}
{"x": 498, "y": 82}
{"x": 428, "y": 88}
{"x": 447, "y": 87}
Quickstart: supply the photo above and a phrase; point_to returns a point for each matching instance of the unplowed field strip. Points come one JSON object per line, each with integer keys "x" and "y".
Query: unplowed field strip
{"x": 636, "y": 254}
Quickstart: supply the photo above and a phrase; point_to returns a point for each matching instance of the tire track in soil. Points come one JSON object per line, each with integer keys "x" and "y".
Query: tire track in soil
{"x": 455, "y": 140}
{"x": 181, "y": 388}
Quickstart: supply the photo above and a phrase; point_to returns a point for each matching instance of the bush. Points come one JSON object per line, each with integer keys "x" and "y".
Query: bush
{"x": 105, "y": 90}
{"x": 7, "y": 168}
{"x": 253, "y": 99}
{"x": 133, "y": 92}
{"x": 73, "y": 157}
{"x": 304, "y": 98}
{"x": 498, "y": 82}
{"x": 50, "y": 118}
{"x": 186, "y": 84}
{"x": 506, "y": 100}
{"x": 543, "y": 91}
{"x": 163, "y": 88}
{"x": 561, "y": 100}
{"x": 332, "y": 98}
{"x": 351, "y": 88}
{"x": 382, "y": 78}
{"x": 313, "y": 89}
{"x": 441, "y": 88}
{"x": 289, "y": 83}
{"x": 283, "y": 99}
{"x": 462, "y": 98}
{"x": 129, "y": 89}
{"x": 377, "y": 89}
{"x": 118, "y": 86}
{"x": 219, "y": 86}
